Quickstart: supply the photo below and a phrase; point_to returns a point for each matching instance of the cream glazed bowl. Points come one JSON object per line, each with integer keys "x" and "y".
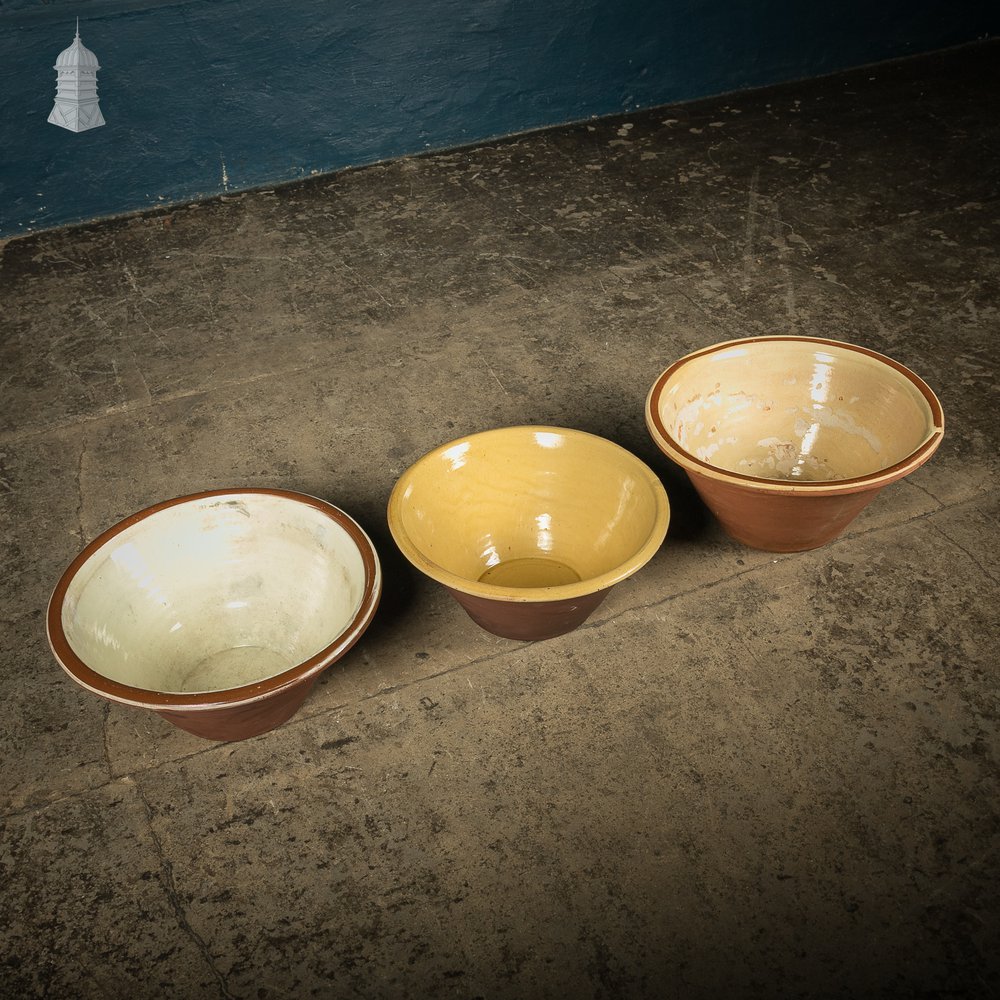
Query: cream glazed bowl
{"x": 788, "y": 438}
{"x": 529, "y": 527}
{"x": 216, "y": 610}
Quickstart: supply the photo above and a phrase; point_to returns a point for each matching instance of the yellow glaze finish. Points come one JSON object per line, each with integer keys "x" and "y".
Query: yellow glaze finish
{"x": 794, "y": 414}
{"x": 523, "y": 514}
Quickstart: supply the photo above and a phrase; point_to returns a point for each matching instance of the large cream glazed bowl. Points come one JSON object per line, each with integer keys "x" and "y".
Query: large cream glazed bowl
{"x": 788, "y": 438}
{"x": 217, "y": 610}
{"x": 529, "y": 527}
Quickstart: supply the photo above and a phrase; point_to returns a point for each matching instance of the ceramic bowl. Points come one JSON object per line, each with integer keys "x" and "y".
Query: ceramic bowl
{"x": 218, "y": 610}
{"x": 786, "y": 439}
{"x": 529, "y": 527}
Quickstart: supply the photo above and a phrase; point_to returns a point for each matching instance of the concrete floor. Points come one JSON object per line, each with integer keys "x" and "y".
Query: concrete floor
{"x": 747, "y": 775}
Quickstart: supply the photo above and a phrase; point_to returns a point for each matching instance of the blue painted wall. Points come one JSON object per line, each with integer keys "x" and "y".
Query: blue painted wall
{"x": 203, "y": 96}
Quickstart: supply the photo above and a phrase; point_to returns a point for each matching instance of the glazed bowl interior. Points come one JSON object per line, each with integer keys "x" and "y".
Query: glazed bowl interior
{"x": 793, "y": 409}
{"x": 214, "y": 592}
{"x": 527, "y": 513}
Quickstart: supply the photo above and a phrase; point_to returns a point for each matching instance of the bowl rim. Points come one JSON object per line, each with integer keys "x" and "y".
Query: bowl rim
{"x": 226, "y": 698}
{"x": 830, "y": 487}
{"x": 531, "y": 595}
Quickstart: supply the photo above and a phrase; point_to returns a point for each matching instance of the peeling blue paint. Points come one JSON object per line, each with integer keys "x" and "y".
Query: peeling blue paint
{"x": 204, "y": 96}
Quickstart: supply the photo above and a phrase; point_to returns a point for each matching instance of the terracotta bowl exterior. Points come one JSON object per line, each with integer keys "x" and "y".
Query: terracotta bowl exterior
{"x": 786, "y": 439}
{"x": 217, "y": 610}
{"x": 529, "y": 527}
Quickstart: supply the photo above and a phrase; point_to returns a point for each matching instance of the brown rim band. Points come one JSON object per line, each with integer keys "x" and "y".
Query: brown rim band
{"x": 117, "y": 691}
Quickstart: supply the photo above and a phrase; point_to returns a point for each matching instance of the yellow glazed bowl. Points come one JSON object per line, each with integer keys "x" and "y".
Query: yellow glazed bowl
{"x": 529, "y": 527}
{"x": 788, "y": 438}
{"x": 217, "y": 610}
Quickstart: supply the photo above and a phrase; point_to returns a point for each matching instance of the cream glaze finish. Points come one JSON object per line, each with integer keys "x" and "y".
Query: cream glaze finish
{"x": 529, "y": 514}
{"x": 794, "y": 411}
{"x": 214, "y": 593}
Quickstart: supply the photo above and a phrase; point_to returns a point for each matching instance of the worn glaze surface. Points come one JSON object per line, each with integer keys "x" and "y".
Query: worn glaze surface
{"x": 522, "y": 517}
{"x": 788, "y": 438}
{"x": 218, "y": 609}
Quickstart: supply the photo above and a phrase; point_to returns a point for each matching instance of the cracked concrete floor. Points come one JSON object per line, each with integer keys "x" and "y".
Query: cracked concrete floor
{"x": 747, "y": 775}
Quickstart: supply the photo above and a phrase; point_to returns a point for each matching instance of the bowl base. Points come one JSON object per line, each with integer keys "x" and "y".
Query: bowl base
{"x": 790, "y": 522}
{"x": 239, "y": 722}
{"x": 530, "y": 572}
{"x": 234, "y": 667}
{"x": 529, "y": 621}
